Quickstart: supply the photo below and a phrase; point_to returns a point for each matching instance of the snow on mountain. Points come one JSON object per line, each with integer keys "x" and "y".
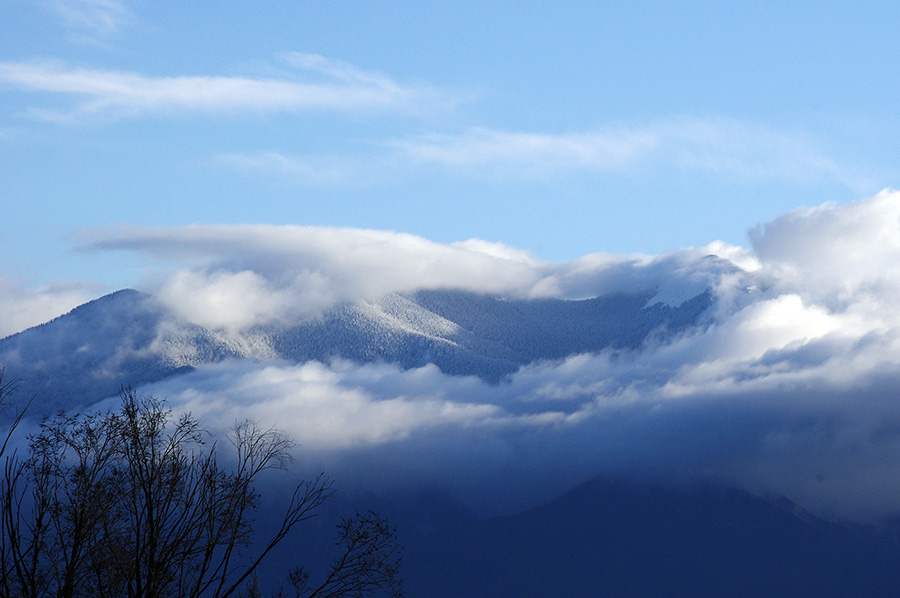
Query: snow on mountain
{"x": 123, "y": 338}
{"x": 129, "y": 338}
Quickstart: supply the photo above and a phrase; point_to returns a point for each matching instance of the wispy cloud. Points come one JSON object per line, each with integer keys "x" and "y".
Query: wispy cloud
{"x": 333, "y": 170}
{"x": 729, "y": 148}
{"x": 724, "y": 149}
{"x": 91, "y": 21}
{"x": 329, "y": 86}
{"x": 482, "y": 149}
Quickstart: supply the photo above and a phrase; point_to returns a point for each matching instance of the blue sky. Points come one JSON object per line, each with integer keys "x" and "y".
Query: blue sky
{"x": 561, "y": 130}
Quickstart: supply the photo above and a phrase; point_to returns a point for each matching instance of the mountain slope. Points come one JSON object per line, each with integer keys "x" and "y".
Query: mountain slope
{"x": 88, "y": 354}
{"x": 127, "y": 338}
{"x": 622, "y": 538}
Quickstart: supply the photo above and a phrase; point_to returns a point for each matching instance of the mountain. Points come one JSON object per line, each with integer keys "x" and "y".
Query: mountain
{"x": 618, "y": 536}
{"x": 612, "y": 537}
{"x": 88, "y": 354}
{"x": 644, "y": 538}
{"x": 128, "y": 338}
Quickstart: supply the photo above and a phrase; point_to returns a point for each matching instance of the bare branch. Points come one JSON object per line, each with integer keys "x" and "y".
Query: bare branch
{"x": 133, "y": 502}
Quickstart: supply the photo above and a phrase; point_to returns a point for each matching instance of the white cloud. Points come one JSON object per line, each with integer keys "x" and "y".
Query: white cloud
{"x": 238, "y": 276}
{"x": 317, "y": 404}
{"x": 223, "y": 299}
{"x": 105, "y": 93}
{"x": 839, "y": 253}
{"x": 351, "y": 75}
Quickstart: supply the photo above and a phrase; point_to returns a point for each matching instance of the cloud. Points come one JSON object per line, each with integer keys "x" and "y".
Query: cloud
{"x": 327, "y": 86}
{"x": 240, "y": 276}
{"x": 840, "y": 254}
{"x": 788, "y": 387}
{"x": 482, "y": 148}
{"x": 334, "y": 170}
{"x": 716, "y": 148}
{"x": 90, "y": 21}
{"x": 814, "y": 437}
{"x": 245, "y": 275}
{"x": 316, "y": 403}
{"x": 22, "y": 307}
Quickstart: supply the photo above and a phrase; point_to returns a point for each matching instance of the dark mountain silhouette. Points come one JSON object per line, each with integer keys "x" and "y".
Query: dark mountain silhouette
{"x": 626, "y": 538}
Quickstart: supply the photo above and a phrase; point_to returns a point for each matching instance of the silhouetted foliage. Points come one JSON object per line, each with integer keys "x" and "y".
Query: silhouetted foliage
{"x": 135, "y": 503}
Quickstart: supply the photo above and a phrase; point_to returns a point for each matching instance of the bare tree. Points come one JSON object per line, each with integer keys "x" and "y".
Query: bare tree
{"x": 131, "y": 503}
{"x": 368, "y": 562}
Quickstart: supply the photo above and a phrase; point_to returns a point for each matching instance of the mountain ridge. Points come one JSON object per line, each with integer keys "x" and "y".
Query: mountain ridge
{"x": 127, "y": 338}
{"x": 629, "y": 537}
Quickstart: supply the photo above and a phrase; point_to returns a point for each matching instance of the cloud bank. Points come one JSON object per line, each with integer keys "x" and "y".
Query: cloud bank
{"x": 241, "y": 276}
{"x": 789, "y": 387}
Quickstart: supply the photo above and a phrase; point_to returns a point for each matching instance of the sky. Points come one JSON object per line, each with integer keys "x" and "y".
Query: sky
{"x": 257, "y": 162}
{"x": 560, "y": 130}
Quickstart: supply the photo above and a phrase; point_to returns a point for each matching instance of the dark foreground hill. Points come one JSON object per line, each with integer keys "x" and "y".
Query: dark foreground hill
{"x": 619, "y": 538}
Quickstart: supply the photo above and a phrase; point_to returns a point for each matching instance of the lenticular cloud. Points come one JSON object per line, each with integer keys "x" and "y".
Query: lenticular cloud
{"x": 788, "y": 385}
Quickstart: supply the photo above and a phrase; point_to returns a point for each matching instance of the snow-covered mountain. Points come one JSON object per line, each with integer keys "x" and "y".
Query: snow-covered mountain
{"x": 128, "y": 338}
{"x": 501, "y": 386}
